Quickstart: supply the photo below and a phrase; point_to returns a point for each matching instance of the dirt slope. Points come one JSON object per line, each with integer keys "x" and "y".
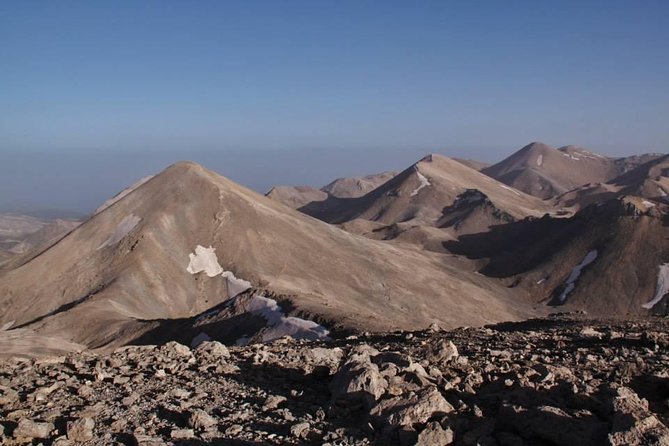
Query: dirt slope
{"x": 545, "y": 172}
{"x": 138, "y": 261}
{"x": 353, "y": 187}
{"x": 608, "y": 259}
{"x": 431, "y": 201}
{"x": 649, "y": 180}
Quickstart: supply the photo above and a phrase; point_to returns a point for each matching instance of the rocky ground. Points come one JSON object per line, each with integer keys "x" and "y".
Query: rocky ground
{"x": 564, "y": 380}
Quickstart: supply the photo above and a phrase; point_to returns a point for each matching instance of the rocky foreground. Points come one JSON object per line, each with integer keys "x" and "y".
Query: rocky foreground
{"x": 563, "y": 380}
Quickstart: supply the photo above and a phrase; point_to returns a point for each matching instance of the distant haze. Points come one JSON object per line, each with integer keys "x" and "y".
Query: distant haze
{"x": 79, "y": 181}
{"x": 96, "y": 94}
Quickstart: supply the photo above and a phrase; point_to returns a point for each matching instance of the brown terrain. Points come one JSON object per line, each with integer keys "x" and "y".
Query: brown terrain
{"x": 562, "y": 381}
{"x": 188, "y": 309}
{"x": 545, "y": 172}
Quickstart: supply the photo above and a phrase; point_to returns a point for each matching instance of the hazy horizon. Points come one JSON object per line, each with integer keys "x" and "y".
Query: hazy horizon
{"x": 79, "y": 181}
{"x": 96, "y": 95}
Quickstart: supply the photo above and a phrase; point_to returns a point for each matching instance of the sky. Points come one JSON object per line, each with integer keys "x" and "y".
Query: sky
{"x": 94, "y": 94}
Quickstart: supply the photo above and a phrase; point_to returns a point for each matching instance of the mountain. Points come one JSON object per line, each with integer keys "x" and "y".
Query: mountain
{"x": 649, "y": 180}
{"x": 353, "y": 187}
{"x": 611, "y": 258}
{"x": 21, "y": 235}
{"x": 296, "y": 196}
{"x": 188, "y": 240}
{"x": 349, "y": 187}
{"x": 474, "y": 164}
{"x": 545, "y": 172}
{"x": 431, "y": 201}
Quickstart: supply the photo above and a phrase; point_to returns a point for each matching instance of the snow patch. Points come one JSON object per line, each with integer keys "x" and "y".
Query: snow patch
{"x": 199, "y": 339}
{"x": 650, "y": 204}
{"x": 576, "y": 272}
{"x": 662, "y": 287}
{"x": 127, "y": 224}
{"x": 7, "y": 326}
{"x": 205, "y": 260}
{"x": 279, "y": 325}
{"x": 511, "y": 189}
{"x": 424, "y": 182}
{"x": 235, "y": 286}
{"x": 540, "y": 160}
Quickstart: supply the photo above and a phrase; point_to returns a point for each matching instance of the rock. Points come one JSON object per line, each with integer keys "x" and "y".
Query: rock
{"x": 234, "y": 430}
{"x": 552, "y": 425}
{"x": 80, "y": 430}
{"x": 147, "y": 440}
{"x": 32, "y": 429}
{"x": 182, "y": 434}
{"x": 176, "y": 348}
{"x": 300, "y": 430}
{"x": 418, "y": 407}
{"x": 633, "y": 424}
{"x": 358, "y": 380}
{"x": 273, "y": 402}
{"x": 435, "y": 435}
{"x": 442, "y": 351}
{"x": 213, "y": 349}
{"x": 201, "y": 420}
{"x": 8, "y": 395}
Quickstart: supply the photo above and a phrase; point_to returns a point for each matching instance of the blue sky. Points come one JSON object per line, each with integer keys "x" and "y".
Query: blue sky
{"x": 369, "y": 80}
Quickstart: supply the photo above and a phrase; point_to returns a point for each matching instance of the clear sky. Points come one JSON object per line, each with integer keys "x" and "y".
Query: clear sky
{"x": 338, "y": 87}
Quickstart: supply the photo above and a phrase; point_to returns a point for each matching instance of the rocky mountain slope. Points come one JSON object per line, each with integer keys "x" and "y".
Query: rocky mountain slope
{"x": 545, "y": 172}
{"x": 433, "y": 200}
{"x": 348, "y": 187}
{"x": 24, "y": 235}
{"x": 649, "y": 180}
{"x": 188, "y": 240}
{"x": 560, "y": 381}
{"x": 609, "y": 258}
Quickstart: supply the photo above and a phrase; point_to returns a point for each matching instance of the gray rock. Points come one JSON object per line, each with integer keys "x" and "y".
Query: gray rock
{"x": 147, "y": 440}
{"x": 182, "y": 434}
{"x": 80, "y": 430}
{"x": 32, "y": 429}
{"x": 415, "y": 408}
{"x": 201, "y": 420}
{"x": 435, "y": 435}
{"x": 272, "y": 402}
{"x": 300, "y": 430}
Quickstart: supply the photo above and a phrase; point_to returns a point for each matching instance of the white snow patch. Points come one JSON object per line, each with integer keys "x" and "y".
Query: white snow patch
{"x": 199, "y": 339}
{"x": 279, "y": 325}
{"x": 511, "y": 189}
{"x": 662, "y": 287}
{"x": 576, "y": 272}
{"x": 127, "y": 224}
{"x": 540, "y": 160}
{"x": 7, "y": 326}
{"x": 424, "y": 182}
{"x": 235, "y": 286}
{"x": 205, "y": 260}
{"x": 650, "y": 204}
{"x": 542, "y": 280}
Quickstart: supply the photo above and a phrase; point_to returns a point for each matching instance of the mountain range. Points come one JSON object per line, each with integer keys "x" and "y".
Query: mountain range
{"x": 450, "y": 242}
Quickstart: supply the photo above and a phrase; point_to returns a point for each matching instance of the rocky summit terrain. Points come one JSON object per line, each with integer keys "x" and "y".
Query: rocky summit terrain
{"x": 561, "y": 380}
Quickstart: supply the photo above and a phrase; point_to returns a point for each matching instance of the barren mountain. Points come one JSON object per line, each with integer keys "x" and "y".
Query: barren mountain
{"x": 296, "y": 196}
{"x": 24, "y": 235}
{"x": 349, "y": 187}
{"x": 353, "y": 187}
{"x": 546, "y": 172}
{"x": 429, "y": 202}
{"x": 649, "y": 180}
{"x": 188, "y": 240}
{"x": 609, "y": 258}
